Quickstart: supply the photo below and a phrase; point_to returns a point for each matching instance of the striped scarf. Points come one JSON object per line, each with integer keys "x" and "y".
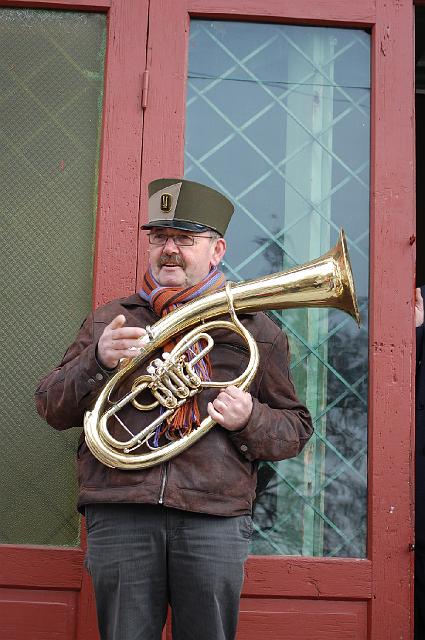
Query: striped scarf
{"x": 163, "y": 300}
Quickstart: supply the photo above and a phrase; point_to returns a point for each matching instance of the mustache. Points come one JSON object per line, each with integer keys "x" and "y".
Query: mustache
{"x": 172, "y": 259}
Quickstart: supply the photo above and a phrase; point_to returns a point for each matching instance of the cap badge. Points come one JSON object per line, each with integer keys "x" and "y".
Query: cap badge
{"x": 166, "y": 202}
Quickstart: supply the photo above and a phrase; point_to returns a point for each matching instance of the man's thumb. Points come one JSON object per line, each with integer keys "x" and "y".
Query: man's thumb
{"x": 118, "y": 322}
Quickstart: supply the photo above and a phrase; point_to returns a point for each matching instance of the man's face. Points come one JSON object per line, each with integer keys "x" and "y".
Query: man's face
{"x": 174, "y": 265}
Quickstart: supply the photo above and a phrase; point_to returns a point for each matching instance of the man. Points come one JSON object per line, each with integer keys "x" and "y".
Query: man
{"x": 420, "y": 469}
{"x": 177, "y": 533}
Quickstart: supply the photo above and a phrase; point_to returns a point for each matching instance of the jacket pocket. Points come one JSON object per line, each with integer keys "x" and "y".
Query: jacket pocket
{"x": 92, "y": 474}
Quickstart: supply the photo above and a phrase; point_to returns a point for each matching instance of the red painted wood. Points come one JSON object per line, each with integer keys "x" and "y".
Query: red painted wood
{"x": 167, "y": 633}
{"x": 272, "y": 619}
{"x": 298, "y": 577}
{"x": 391, "y": 390}
{"x": 329, "y": 12}
{"x": 37, "y": 614}
{"x": 41, "y": 567}
{"x": 79, "y": 5}
{"x": 163, "y": 146}
{"x": 120, "y": 169}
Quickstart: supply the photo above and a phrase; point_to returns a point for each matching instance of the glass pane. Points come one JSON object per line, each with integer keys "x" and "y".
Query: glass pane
{"x": 278, "y": 119}
{"x": 51, "y": 85}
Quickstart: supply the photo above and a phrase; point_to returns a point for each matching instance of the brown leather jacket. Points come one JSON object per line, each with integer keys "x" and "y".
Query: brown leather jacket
{"x": 216, "y": 475}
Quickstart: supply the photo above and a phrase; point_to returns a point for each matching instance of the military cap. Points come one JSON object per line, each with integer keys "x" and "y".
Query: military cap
{"x": 187, "y": 205}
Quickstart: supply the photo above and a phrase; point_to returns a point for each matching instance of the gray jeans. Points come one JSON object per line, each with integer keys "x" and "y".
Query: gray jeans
{"x": 143, "y": 558}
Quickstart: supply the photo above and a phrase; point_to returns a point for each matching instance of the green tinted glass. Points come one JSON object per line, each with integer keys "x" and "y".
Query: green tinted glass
{"x": 278, "y": 120}
{"x": 51, "y": 85}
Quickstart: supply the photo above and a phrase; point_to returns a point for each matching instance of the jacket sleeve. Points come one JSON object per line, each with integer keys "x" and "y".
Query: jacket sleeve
{"x": 63, "y": 395}
{"x": 279, "y": 425}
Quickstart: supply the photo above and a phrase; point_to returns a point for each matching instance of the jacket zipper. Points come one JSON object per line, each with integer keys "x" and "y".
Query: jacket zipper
{"x": 163, "y": 483}
{"x": 239, "y": 348}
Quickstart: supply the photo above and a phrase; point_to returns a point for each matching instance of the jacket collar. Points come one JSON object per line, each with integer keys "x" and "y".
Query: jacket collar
{"x": 134, "y": 301}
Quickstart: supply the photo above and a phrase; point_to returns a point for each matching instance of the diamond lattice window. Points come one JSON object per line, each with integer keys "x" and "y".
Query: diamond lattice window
{"x": 278, "y": 119}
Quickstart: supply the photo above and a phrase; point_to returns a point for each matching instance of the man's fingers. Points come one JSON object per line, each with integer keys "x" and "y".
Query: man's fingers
{"x": 118, "y": 341}
{"x": 117, "y": 322}
{"x": 231, "y": 395}
{"x": 128, "y": 333}
{"x": 213, "y": 413}
{"x": 225, "y": 402}
{"x": 119, "y": 332}
{"x": 220, "y": 405}
{"x": 233, "y": 392}
{"x": 124, "y": 345}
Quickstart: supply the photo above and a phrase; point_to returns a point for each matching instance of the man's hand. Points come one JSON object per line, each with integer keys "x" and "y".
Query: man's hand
{"x": 419, "y": 308}
{"x": 231, "y": 409}
{"x": 118, "y": 341}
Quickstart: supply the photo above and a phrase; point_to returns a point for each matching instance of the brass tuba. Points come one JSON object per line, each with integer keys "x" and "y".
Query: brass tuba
{"x": 324, "y": 282}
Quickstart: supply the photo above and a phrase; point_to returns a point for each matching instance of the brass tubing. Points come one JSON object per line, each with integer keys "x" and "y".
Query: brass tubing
{"x": 324, "y": 282}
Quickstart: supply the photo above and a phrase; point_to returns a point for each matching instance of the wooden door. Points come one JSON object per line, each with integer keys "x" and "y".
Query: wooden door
{"x": 44, "y": 591}
{"x": 47, "y": 134}
{"x": 324, "y": 589}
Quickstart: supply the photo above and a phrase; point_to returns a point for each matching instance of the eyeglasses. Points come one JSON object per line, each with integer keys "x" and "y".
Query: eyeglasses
{"x": 181, "y": 240}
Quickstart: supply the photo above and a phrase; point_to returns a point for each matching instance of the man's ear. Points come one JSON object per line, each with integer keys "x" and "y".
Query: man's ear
{"x": 219, "y": 251}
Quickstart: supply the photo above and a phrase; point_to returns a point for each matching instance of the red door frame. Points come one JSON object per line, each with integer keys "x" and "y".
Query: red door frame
{"x": 382, "y": 582}
{"x": 392, "y": 336}
{"x": 55, "y": 575}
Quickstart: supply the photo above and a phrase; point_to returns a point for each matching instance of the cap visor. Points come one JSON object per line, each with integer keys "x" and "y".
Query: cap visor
{"x": 184, "y": 225}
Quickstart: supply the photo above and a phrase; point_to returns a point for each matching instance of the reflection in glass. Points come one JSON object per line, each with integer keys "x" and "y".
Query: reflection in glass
{"x": 278, "y": 120}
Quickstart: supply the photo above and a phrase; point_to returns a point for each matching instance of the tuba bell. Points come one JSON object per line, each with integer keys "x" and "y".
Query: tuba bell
{"x": 324, "y": 282}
